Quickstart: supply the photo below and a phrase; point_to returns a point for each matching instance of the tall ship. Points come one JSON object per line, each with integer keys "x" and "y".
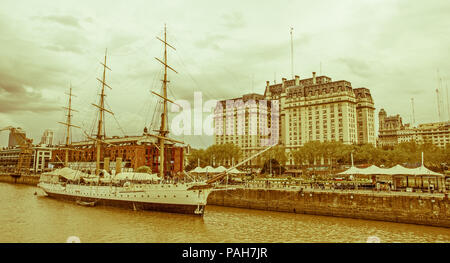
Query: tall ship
{"x": 166, "y": 187}
{"x": 161, "y": 191}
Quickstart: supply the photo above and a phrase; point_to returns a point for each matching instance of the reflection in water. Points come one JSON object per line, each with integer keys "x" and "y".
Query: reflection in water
{"x": 25, "y": 217}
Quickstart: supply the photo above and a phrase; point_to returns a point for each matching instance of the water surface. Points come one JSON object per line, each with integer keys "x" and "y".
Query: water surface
{"x": 25, "y": 217}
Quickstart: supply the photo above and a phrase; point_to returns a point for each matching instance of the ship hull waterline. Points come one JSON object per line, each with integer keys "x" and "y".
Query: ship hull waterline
{"x": 190, "y": 198}
{"x": 134, "y": 205}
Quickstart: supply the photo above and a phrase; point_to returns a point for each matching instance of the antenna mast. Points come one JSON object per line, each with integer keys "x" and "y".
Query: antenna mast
{"x": 292, "y": 54}
{"x": 438, "y": 97}
{"x": 100, "y": 129}
{"x": 448, "y": 105}
{"x": 68, "y": 124}
{"x": 413, "y": 115}
{"x": 163, "y": 130}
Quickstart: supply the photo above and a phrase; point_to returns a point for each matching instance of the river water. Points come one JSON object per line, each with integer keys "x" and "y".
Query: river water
{"x": 25, "y": 217}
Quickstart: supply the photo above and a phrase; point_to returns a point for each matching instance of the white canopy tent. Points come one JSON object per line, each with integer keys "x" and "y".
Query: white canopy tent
{"x": 198, "y": 169}
{"x": 209, "y": 169}
{"x": 373, "y": 169}
{"x": 396, "y": 170}
{"x": 219, "y": 169}
{"x": 422, "y": 170}
{"x": 352, "y": 170}
{"x": 399, "y": 171}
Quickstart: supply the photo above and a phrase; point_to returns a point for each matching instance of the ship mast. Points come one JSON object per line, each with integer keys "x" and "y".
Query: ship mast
{"x": 68, "y": 124}
{"x": 163, "y": 129}
{"x": 100, "y": 129}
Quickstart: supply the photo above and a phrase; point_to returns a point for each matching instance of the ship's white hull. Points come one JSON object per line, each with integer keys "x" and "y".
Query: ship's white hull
{"x": 174, "y": 198}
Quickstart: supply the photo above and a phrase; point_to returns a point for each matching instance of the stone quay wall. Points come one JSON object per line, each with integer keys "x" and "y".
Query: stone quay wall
{"x": 24, "y": 179}
{"x": 432, "y": 210}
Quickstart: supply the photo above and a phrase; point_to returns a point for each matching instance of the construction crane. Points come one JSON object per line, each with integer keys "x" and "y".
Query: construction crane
{"x": 26, "y": 150}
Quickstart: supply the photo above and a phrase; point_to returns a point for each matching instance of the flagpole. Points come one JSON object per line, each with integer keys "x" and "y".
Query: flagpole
{"x": 351, "y": 155}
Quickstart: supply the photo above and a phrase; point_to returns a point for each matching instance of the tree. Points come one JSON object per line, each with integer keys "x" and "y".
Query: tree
{"x": 272, "y": 166}
{"x": 300, "y": 156}
{"x": 223, "y": 153}
{"x": 196, "y": 156}
{"x": 277, "y": 153}
{"x": 313, "y": 151}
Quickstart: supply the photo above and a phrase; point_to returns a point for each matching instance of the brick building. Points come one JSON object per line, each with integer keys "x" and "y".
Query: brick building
{"x": 135, "y": 151}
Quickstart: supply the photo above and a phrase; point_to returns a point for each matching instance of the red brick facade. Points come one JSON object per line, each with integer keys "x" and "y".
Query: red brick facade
{"x": 132, "y": 154}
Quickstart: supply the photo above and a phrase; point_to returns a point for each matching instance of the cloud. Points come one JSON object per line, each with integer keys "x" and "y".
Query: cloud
{"x": 15, "y": 97}
{"x": 68, "y": 21}
{"x": 225, "y": 52}
{"x": 233, "y": 20}
{"x": 64, "y": 48}
{"x": 356, "y": 66}
{"x": 212, "y": 41}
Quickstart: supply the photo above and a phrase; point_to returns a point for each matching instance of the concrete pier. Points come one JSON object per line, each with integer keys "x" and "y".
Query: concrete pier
{"x": 422, "y": 209}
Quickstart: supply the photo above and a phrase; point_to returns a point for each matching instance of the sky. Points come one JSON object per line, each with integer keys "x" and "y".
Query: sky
{"x": 224, "y": 49}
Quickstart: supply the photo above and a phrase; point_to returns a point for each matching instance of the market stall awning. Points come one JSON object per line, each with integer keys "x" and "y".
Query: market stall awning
{"x": 352, "y": 170}
{"x": 219, "y": 169}
{"x": 198, "y": 169}
{"x": 209, "y": 169}
{"x": 422, "y": 170}
{"x": 396, "y": 170}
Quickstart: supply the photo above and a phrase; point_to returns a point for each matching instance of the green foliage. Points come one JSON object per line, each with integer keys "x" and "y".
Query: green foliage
{"x": 277, "y": 153}
{"x": 220, "y": 153}
{"x": 404, "y": 153}
{"x": 337, "y": 153}
{"x": 223, "y": 152}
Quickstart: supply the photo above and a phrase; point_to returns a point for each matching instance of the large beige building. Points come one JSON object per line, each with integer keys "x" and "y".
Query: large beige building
{"x": 319, "y": 109}
{"x": 392, "y": 131}
{"x": 313, "y": 109}
{"x": 245, "y": 122}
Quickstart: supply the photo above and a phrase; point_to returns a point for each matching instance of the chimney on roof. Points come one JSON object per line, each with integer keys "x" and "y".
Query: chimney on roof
{"x": 314, "y": 77}
{"x": 267, "y": 83}
{"x": 283, "y": 81}
{"x": 297, "y": 80}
